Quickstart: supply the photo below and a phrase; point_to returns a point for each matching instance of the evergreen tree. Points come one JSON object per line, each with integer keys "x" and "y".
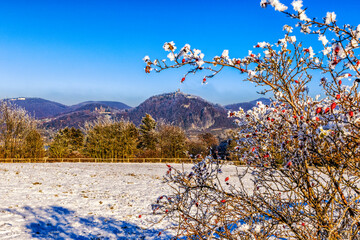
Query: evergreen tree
{"x": 148, "y": 138}
{"x": 67, "y": 143}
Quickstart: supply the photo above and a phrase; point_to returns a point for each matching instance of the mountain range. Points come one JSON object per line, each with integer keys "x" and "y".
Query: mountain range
{"x": 190, "y": 112}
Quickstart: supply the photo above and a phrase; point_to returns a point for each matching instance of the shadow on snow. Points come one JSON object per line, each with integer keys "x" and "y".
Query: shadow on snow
{"x": 55, "y": 222}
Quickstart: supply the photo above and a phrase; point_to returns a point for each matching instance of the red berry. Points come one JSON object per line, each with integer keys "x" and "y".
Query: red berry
{"x": 340, "y": 82}
{"x": 227, "y": 179}
{"x": 159, "y": 233}
{"x": 303, "y": 224}
{"x": 302, "y": 117}
{"x": 318, "y": 110}
{"x": 326, "y": 110}
{"x": 223, "y": 201}
{"x": 317, "y": 119}
{"x": 337, "y": 96}
{"x": 253, "y": 149}
{"x": 183, "y": 79}
{"x": 139, "y": 216}
{"x": 204, "y": 80}
{"x": 295, "y": 116}
{"x": 183, "y": 61}
{"x": 333, "y": 106}
{"x": 166, "y": 211}
{"x": 296, "y": 81}
{"x": 351, "y": 113}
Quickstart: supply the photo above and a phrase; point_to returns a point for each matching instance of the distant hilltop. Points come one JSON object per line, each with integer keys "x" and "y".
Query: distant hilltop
{"x": 185, "y": 110}
{"x": 247, "y": 105}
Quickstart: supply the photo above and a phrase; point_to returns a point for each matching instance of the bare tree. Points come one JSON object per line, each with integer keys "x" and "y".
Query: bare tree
{"x": 172, "y": 141}
{"x": 15, "y": 125}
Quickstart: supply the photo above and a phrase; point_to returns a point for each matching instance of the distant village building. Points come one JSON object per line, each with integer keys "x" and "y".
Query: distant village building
{"x": 102, "y": 110}
{"x": 20, "y": 98}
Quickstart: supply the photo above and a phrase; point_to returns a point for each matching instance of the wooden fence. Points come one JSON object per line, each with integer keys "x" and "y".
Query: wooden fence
{"x": 107, "y": 160}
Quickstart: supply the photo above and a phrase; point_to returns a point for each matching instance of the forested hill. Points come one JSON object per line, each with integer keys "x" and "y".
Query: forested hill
{"x": 187, "y": 111}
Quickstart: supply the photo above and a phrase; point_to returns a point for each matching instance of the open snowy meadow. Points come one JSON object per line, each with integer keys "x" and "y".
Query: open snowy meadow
{"x": 83, "y": 200}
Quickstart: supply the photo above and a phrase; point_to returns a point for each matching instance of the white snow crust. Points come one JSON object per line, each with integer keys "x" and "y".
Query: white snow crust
{"x": 82, "y": 200}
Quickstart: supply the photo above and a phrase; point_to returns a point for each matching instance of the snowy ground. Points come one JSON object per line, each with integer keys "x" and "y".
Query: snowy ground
{"x": 82, "y": 200}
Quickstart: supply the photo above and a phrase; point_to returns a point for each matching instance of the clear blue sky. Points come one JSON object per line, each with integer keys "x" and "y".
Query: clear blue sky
{"x": 78, "y": 50}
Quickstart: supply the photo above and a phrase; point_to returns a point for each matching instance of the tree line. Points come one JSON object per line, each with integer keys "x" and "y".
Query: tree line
{"x": 22, "y": 137}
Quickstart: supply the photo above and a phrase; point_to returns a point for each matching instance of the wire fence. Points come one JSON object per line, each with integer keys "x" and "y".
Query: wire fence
{"x": 107, "y": 160}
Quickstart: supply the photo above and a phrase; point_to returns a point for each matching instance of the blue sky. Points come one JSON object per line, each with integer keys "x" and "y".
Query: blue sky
{"x": 73, "y": 51}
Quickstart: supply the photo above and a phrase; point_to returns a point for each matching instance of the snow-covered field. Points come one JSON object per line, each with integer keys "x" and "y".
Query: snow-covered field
{"x": 82, "y": 200}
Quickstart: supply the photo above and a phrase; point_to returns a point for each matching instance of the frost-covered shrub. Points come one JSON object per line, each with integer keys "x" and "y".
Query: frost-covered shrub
{"x": 302, "y": 175}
